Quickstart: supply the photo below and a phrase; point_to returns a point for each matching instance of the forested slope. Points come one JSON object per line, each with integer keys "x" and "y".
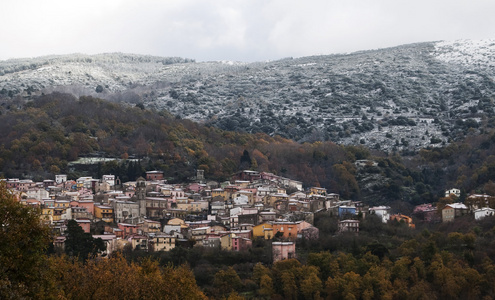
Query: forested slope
{"x": 40, "y": 137}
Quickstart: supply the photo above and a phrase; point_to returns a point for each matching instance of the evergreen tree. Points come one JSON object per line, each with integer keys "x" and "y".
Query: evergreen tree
{"x": 81, "y": 244}
{"x": 245, "y": 161}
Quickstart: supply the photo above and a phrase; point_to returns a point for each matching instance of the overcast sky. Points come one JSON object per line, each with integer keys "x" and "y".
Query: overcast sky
{"x": 249, "y": 30}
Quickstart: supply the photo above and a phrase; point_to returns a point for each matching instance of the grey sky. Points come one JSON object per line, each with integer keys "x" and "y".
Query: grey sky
{"x": 249, "y": 30}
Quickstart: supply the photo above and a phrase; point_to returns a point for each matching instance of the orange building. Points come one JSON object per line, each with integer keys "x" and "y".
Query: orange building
{"x": 287, "y": 229}
{"x": 404, "y": 218}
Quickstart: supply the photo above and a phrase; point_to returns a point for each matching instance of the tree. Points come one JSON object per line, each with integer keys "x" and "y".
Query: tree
{"x": 289, "y": 286}
{"x": 81, "y": 244}
{"x": 227, "y": 281}
{"x": 24, "y": 240}
{"x": 311, "y": 285}
{"x": 246, "y": 162}
{"x": 266, "y": 286}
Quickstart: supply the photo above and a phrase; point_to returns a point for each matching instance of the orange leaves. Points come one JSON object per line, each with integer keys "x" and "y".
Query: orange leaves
{"x": 115, "y": 278}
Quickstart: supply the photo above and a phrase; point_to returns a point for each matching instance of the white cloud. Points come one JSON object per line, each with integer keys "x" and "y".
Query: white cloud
{"x": 234, "y": 30}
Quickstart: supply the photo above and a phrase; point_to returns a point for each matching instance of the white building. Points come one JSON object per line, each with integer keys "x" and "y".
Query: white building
{"x": 483, "y": 212}
{"x": 455, "y": 192}
{"x": 110, "y": 179}
{"x": 60, "y": 178}
{"x": 382, "y": 211}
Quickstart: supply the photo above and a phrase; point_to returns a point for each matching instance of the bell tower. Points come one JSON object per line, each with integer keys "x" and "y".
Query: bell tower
{"x": 141, "y": 195}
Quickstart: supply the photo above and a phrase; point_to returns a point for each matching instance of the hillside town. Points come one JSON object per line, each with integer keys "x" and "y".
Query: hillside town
{"x": 150, "y": 214}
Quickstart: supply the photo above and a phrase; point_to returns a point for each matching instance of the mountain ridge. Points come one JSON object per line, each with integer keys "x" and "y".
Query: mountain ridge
{"x": 400, "y": 98}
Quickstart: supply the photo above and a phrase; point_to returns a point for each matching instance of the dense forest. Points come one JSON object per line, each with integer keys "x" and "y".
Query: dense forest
{"x": 39, "y": 138}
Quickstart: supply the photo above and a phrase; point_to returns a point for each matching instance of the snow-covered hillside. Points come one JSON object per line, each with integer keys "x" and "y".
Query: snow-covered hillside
{"x": 400, "y": 98}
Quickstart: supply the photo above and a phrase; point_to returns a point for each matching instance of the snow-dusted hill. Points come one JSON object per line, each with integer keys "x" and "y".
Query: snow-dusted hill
{"x": 400, "y": 98}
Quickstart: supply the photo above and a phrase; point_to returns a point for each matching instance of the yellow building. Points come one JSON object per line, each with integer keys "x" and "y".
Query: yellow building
{"x": 259, "y": 230}
{"x": 317, "y": 191}
{"x": 62, "y": 204}
{"x": 162, "y": 242}
{"x": 219, "y": 193}
{"x": 149, "y": 226}
{"x": 226, "y": 241}
{"x": 47, "y": 215}
{"x": 176, "y": 221}
{"x": 192, "y": 206}
{"x": 61, "y": 214}
{"x": 105, "y": 213}
{"x": 274, "y": 199}
{"x": 139, "y": 242}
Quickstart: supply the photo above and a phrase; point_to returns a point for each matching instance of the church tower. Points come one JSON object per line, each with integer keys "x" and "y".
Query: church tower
{"x": 141, "y": 195}
{"x": 200, "y": 176}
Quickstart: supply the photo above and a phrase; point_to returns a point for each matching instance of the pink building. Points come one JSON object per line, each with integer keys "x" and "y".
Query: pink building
{"x": 154, "y": 175}
{"x": 303, "y": 225}
{"x": 426, "y": 212}
{"x": 422, "y": 207}
{"x": 12, "y": 183}
{"x": 242, "y": 233}
{"x": 24, "y": 185}
{"x": 127, "y": 229}
{"x": 283, "y": 250}
{"x": 241, "y": 244}
{"x": 196, "y": 187}
{"x": 85, "y": 225}
{"x": 88, "y": 204}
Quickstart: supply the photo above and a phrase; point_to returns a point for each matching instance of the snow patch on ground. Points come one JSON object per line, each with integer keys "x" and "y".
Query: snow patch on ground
{"x": 466, "y": 52}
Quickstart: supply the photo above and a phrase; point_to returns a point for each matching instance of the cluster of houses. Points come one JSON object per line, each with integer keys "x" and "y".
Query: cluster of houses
{"x": 477, "y": 205}
{"x": 151, "y": 215}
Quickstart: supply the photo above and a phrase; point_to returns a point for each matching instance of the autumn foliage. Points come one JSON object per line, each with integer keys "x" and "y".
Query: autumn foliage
{"x": 115, "y": 278}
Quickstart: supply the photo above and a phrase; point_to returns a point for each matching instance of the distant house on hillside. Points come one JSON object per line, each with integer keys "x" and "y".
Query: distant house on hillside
{"x": 349, "y": 226}
{"x": 346, "y": 210}
{"x": 426, "y": 212}
{"x": 365, "y": 163}
{"x": 483, "y": 212}
{"x": 455, "y": 192}
{"x": 403, "y": 218}
{"x": 451, "y": 211}
{"x": 381, "y": 211}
